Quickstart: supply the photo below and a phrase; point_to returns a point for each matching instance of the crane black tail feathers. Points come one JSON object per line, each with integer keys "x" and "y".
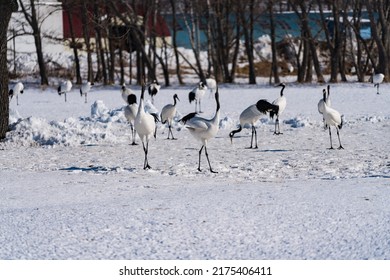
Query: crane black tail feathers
{"x": 264, "y": 106}
{"x": 187, "y": 117}
{"x": 191, "y": 96}
{"x": 155, "y": 116}
{"x": 342, "y": 122}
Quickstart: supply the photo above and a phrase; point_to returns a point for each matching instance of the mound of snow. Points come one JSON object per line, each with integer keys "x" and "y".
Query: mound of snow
{"x": 298, "y": 122}
{"x": 14, "y": 116}
{"x": 98, "y": 109}
{"x": 226, "y": 123}
{"x": 103, "y": 125}
{"x": 100, "y": 113}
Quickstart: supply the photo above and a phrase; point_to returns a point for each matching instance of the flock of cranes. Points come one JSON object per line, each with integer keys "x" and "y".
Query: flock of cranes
{"x": 204, "y": 129}
{"x": 143, "y": 123}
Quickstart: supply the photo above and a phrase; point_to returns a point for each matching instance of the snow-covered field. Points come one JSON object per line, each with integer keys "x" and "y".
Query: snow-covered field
{"x": 72, "y": 186}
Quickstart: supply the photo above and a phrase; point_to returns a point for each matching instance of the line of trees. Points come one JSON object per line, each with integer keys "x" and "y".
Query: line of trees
{"x": 112, "y": 29}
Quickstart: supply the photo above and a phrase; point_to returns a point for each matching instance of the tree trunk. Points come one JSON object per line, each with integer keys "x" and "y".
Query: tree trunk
{"x": 174, "y": 42}
{"x": 248, "y": 35}
{"x": 73, "y": 44}
{"x": 273, "y": 43}
{"x": 101, "y": 69}
{"x": 85, "y": 20}
{"x": 302, "y": 13}
{"x": 382, "y": 66}
{"x": 7, "y": 7}
{"x": 32, "y": 19}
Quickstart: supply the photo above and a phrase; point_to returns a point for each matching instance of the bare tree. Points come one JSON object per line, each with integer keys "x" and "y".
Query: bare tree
{"x": 98, "y": 25}
{"x": 69, "y": 11}
{"x": 192, "y": 18}
{"x": 85, "y": 15}
{"x": 30, "y": 13}
{"x": 7, "y": 7}
{"x": 361, "y": 56}
{"x": 274, "y": 70}
{"x": 174, "y": 41}
{"x": 380, "y": 32}
{"x": 136, "y": 33}
{"x": 246, "y": 12}
{"x": 225, "y": 37}
{"x": 302, "y": 9}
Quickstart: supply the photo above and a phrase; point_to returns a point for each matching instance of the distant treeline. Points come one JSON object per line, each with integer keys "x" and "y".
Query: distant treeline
{"x": 346, "y": 37}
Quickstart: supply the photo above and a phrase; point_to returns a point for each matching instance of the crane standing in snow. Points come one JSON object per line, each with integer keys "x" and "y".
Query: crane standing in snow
{"x": 281, "y": 102}
{"x": 85, "y": 88}
{"x": 251, "y": 115}
{"x": 64, "y": 88}
{"x": 196, "y": 95}
{"x": 145, "y": 125}
{"x": 153, "y": 89}
{"x": 168, "y": 112}
{"x": 17, "y": 89}
{"x": 211, "y": 85}
{"x": 376, "y": 80}
{"x": 203, "y": 129}
{"x": 332, "y": 118}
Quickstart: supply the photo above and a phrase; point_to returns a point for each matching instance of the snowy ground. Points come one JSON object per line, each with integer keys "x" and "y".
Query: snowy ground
{"x": 72, "y": 187}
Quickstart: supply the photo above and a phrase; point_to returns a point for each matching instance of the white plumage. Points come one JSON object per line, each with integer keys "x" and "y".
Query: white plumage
{"x": 85, "y": 88}
{"x": 64, "y": 88}
{"x": 281, "y": 102}
{"x": 131, "y": 111}
{"x": 211, "y": 85}
{"x": 17, "y": 89}
{"x": 153, "y": 89}
{"x": 251, "y": 115}
{"x": 332, "y": 118}
{"x": 168, "y": 112}
{"x": 377, "y": 79}
{"x": 196, "y": 94}
{"x": 125, "y": 92}
{"x": 203, "y": 129}
{"x": 145, "y": 126}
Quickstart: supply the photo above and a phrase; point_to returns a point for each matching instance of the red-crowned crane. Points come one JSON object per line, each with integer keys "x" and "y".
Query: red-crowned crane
{"x": 376, "y": 80}
{"x": 251, "y": 115}
{"x": 196, "y": 94}
{"x": 145, "y": 125}
{"x": 17, "y": 89}
{"x": 281, "y": 102}
{"x": 153, "y": 89}
{"x": 332, "y": 118}
{"x": 203, "y": 129}
{"x": 64, "y": 88}
{"x": 85, "y": 88}
{"x": 168, "y": 112}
